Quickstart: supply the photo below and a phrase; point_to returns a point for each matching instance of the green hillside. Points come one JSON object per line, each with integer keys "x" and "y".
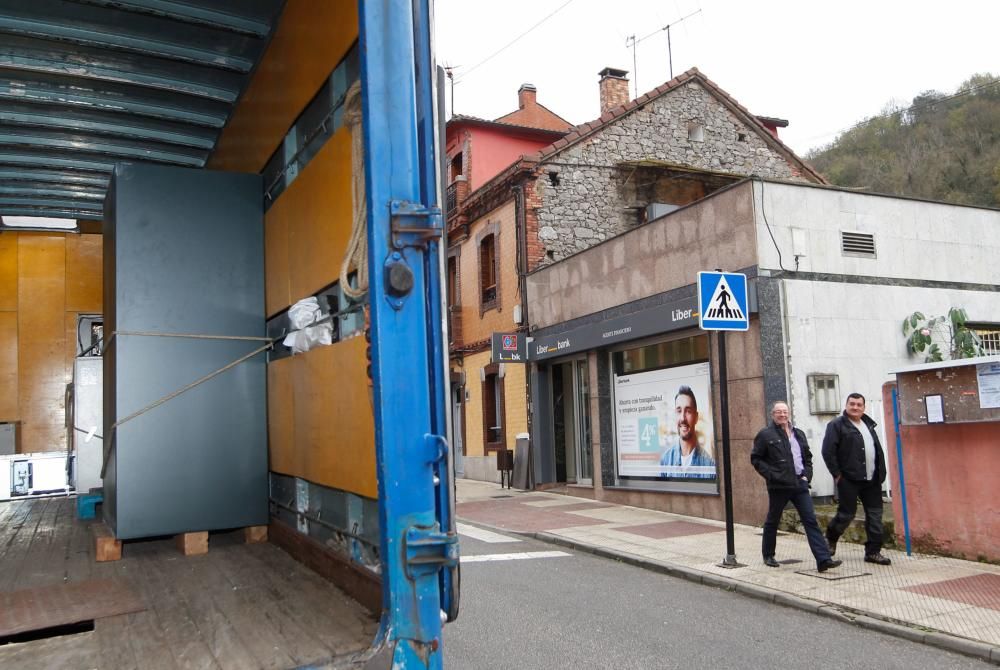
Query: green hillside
{"x": 940, "y": 146}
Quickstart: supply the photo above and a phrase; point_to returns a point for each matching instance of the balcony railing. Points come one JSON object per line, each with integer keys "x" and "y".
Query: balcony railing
{"x": 450, "y": 199}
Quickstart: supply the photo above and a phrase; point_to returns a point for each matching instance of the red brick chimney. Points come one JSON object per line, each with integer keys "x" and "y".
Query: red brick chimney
{"x": 614, "y": 88}
{"x": 526, "y": 96}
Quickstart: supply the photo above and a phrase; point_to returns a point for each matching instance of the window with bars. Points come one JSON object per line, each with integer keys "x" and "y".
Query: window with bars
{"x": 989, "y": 335}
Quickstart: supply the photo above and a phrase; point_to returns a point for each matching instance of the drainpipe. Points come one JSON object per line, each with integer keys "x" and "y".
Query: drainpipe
{"x": 521, "y": 234}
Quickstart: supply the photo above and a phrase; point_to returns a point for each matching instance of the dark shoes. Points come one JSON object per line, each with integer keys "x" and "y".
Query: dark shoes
{"x": 827, "y": 564}
{"x": 877, "y": 559}
{"x": 770, "y": 562}
{"x": 832, "y": 541}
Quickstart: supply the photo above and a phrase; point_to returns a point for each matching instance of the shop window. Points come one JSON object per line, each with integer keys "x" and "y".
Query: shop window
{"x": 665, "y": 437}
{"x": 824, "y": 396}
{"x": 661, "y": 355}
{"x": 488, "y": 271}
{"x": 493, "y": 408}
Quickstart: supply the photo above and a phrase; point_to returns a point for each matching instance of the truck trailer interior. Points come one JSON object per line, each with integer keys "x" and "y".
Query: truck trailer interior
{"x": 223, "y": 423}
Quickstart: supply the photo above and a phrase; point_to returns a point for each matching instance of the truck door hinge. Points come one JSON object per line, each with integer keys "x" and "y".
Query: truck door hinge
{"x": 414, "y": 225}
{"x": 428, "y": 550}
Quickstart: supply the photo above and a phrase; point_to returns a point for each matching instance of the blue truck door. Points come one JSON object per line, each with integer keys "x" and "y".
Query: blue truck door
{"x": 405, "y": 233}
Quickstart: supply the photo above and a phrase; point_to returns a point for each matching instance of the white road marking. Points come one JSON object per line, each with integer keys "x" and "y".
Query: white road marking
{"x": 524, "y": 555}
{"x": 483, "y": 535}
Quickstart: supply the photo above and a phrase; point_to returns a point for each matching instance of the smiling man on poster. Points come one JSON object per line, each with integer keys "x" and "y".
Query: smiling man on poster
{"x": 687, "y": 453}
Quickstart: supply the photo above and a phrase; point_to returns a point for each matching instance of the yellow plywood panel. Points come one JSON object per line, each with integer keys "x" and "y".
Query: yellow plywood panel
{"x": 277, "y": 296}
{"x": 42, "y": 340}
{"x": 8, "y": 367}
{"x": 281, "y": 417}
{"x": 311, "y": 38}
{"x": 334, "y": 427}
{"x": 8, "y": 271}
{"x": 318, "y": 211}
{"x": 84, "y": 270}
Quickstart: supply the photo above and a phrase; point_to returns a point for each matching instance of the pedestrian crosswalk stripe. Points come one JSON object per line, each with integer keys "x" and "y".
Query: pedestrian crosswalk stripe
{"x": 723, "y": 306}
{"x": 524, "y": 555}
{"x": 483, "y": 535}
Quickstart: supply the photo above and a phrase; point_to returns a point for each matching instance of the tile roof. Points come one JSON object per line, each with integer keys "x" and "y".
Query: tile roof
{"x": 553, "y": 117}
{"x": 478, "y": 121}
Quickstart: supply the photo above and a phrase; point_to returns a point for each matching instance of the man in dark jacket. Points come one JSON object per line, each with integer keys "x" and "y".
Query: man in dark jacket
{"x": 855, "y": 458}
{"x": 781, "y": 455}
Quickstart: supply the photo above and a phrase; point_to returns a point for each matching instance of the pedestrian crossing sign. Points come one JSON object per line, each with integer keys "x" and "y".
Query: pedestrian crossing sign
{"x": 722, "y": 301}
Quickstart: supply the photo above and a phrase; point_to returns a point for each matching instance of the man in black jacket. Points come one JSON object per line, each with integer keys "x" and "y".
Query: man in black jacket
{"x": 781, "y": 455}
{"x": 855, "y": 458}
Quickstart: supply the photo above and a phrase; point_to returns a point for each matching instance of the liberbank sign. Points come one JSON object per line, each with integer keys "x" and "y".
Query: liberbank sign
{"x": 611, "y": 327}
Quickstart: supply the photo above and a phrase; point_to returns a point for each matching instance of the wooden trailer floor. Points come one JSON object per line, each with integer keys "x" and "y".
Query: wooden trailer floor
{"x": 239, "y": 606}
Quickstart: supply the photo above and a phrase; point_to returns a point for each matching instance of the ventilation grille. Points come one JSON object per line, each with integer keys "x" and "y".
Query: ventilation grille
{"x": 857, "y": 244}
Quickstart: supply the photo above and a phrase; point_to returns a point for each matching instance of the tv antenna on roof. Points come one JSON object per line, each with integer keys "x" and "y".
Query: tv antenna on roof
{"x": 449, "y": 71}
{"x": 670, "y": 52}
{"x": 635, "y": 67}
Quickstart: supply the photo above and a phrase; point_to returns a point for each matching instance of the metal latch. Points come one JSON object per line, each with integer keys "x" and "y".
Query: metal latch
{"x": 414, "y": 225}
{"x": 428, "y": 550}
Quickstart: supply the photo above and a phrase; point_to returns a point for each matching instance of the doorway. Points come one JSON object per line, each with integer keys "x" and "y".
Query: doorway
{"x": 571, "y": 422}
{"x": 457, "y": 436}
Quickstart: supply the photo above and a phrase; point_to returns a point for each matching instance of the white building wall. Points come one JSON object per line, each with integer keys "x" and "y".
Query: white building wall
{"x": 913, "y": 239}
{"x": 854, "y": 331}
{"x": 836, "y": 324}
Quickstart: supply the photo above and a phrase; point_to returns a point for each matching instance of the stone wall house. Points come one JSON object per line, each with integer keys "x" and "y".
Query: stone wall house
{"x": 673, "y": 145}
{"x": 666, "y": 149}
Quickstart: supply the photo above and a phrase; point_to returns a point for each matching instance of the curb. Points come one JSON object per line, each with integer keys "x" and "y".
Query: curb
{"x": 860, "y": 618}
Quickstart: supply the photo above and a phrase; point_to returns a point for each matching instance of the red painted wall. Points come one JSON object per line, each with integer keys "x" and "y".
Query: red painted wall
{"x": 491, "y": 150}
{"x": 951, "y": 497}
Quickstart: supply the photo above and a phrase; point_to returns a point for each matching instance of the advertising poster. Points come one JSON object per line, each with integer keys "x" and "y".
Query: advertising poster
{"x": 664, "y": 424}
{"x": 988, "y": 376}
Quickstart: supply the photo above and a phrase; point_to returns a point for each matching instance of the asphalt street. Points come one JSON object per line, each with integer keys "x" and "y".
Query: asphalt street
{"x": 521, "y": 609}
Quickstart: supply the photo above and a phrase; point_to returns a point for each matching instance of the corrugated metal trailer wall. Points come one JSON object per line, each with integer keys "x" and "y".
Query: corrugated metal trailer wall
{"x": 289, "y": 125}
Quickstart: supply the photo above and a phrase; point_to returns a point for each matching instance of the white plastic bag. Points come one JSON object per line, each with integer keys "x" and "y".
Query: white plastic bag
{"x": 304, "y": 336}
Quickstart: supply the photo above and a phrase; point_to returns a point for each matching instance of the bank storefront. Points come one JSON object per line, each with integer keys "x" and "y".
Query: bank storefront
{"x": 652, "y": 412}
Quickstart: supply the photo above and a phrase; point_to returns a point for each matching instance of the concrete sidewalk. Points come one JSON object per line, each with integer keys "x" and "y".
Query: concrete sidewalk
{"x": 945, "y": 602}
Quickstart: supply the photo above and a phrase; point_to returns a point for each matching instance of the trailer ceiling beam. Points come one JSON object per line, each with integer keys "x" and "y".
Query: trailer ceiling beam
{"x": 88, "y": 83}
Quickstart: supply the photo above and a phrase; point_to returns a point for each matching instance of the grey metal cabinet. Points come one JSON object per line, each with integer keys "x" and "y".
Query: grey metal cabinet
{"x": 184, "y": 255}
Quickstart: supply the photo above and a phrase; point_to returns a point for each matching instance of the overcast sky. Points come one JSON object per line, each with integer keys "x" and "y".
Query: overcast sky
{"x": 824, "y": 66}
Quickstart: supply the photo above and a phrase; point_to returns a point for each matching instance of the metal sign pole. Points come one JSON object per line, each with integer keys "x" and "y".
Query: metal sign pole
{"x": 723, "y": 304}
{"x": 730, "y": 560}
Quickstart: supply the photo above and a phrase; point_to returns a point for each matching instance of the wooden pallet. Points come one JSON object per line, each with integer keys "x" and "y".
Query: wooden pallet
{"x": 255, "y": 534}
{"x": 109, "y": 548}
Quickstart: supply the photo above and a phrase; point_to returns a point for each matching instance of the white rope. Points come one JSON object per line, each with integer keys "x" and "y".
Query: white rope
{"x": 356, "y": 256}
{"x": 109, "y": 444}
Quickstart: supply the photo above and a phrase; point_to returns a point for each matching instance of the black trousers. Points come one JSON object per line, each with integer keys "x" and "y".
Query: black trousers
{"x": 800, "y": 498}
{"x": 870, "y": 493}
